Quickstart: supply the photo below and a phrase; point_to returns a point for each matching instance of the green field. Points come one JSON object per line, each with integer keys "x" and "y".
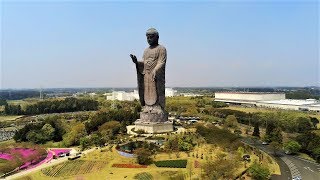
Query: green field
{"x": 23, "y": 103}
{"x": 259, "y": 109}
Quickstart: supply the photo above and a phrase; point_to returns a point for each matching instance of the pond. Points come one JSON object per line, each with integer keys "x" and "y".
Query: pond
{"x": 133, "y": 145}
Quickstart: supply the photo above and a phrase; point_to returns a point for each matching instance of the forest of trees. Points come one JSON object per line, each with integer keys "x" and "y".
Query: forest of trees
{"x": 53, "y": 106}
{"x": 303, "y": 94}
{"x": 18, "y": 94}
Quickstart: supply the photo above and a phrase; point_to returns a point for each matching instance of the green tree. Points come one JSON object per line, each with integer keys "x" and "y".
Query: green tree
{"x": 303, "y": 124}
{"x": 256, "y": 131}
{"x": 47, "y": 131}
{"x": 220, "y": 168}
{"x": 172, "y": 144}
{"x": 231, "y": 121}
{"x": 143, "y": 156}
{"x": 316, "y": 154}
{"x": 276, "y": 135}
{"x": 275, "y": 146}
{"x": 85, "y": 142}
{"x": 292, "y": 146}
{"x": 184, "y": 146}
{"x": 97, "y": 139}
{"x": 3, "y": 102}
{"x": 314, "y": 121}
{"x": 259, "y": 172}
{"x": 73, "y": 137}
{"x": 216, "y": 104}
{"x": 36, "y": 136}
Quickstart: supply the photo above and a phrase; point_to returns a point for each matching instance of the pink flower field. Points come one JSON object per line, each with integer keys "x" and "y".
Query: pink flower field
{"x": 60, "y": 151}
{"x": 30, "y": 157}
{"x": 24, "y": 152}
{"x": 5, "y": 156}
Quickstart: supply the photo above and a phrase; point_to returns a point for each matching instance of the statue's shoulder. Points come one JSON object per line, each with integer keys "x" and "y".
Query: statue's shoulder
{"x": 162, "y": 49}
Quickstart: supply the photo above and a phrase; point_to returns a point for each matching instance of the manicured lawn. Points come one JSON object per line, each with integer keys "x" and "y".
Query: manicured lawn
{"x": 109, "y": 158}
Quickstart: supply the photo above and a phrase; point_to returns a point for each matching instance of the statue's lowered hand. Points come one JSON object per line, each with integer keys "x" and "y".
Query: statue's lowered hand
{"x": 134, "y": 58}
{"x": 153, "y": 75}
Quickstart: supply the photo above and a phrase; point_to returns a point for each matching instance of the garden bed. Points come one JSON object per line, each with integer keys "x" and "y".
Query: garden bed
{"x": 71, "y": 168}
{"x": 172, "y": 163}
{"x": 129, "y": 166}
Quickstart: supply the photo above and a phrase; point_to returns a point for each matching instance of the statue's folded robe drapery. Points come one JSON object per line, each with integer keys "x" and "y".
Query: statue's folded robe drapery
{"x": 152, "y": 91}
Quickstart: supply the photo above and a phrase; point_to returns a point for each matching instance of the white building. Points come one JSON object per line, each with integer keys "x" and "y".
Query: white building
{"x": 123, "y": 96}
{"x": 292, "y": 104}
{"x": 269, "y": 100}
{"x": 170, "y": 92}
{"x": 190, "y": 94}
{"x": 130, "y": 96}
{"x": 247, "y": 97}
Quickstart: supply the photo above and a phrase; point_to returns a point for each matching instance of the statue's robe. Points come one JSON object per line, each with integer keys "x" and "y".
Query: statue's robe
{"x": 152, "y": 91}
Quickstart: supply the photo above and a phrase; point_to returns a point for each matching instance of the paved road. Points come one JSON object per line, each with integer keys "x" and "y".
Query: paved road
{"x": 285, "y": 171}
{"x": 307, "y": 169}
{"x": 297, "y": 166}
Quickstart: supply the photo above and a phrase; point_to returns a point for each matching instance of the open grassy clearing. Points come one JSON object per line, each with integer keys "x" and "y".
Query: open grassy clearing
{"x": 248, "y": 109}
{"x": 8, "y": 118}
{"x": 24, "y": 102}
{"x": 7, "y": 143}
{"x": 259, "y": 109}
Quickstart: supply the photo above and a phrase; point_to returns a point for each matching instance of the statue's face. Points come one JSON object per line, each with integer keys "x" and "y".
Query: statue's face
{"x": 152, "y": 39}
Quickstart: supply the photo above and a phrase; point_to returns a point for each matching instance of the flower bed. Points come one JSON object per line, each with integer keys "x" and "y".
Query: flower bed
{"x": 23, "y": 158}
{"x": 60, "y": 151}
{"x": 129, "y": 166}
{"x": 5, "y": 156}
{"x": 197, "y": 164}
{"x": 172, "y": 163}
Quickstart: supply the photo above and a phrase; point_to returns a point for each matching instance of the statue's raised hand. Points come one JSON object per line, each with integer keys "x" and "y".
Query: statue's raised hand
{"x": 134, "y": 58}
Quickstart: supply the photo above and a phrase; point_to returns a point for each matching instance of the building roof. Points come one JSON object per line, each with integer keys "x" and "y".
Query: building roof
{"x": 242, "y": 92}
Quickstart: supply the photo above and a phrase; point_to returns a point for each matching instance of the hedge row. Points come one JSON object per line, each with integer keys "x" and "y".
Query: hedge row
{"x": 172, "y": 163}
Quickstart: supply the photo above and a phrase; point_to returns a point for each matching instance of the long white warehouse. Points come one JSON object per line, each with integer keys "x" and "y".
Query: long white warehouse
{"x": 247, "y": 97}
{"x": 269, "y": 100}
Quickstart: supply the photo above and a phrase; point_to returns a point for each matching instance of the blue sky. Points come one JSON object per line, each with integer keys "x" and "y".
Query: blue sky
{"x": 209, "y": 43}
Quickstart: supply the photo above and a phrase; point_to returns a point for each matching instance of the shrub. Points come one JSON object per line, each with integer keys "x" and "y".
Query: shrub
{"x": 258, "y": 171}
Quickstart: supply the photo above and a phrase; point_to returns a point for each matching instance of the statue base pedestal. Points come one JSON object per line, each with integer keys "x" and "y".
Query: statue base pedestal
{"x": 154, "y": 127}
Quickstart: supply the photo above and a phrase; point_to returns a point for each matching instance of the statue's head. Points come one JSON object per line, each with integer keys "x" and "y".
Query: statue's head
{"x": 152, "y": 36}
